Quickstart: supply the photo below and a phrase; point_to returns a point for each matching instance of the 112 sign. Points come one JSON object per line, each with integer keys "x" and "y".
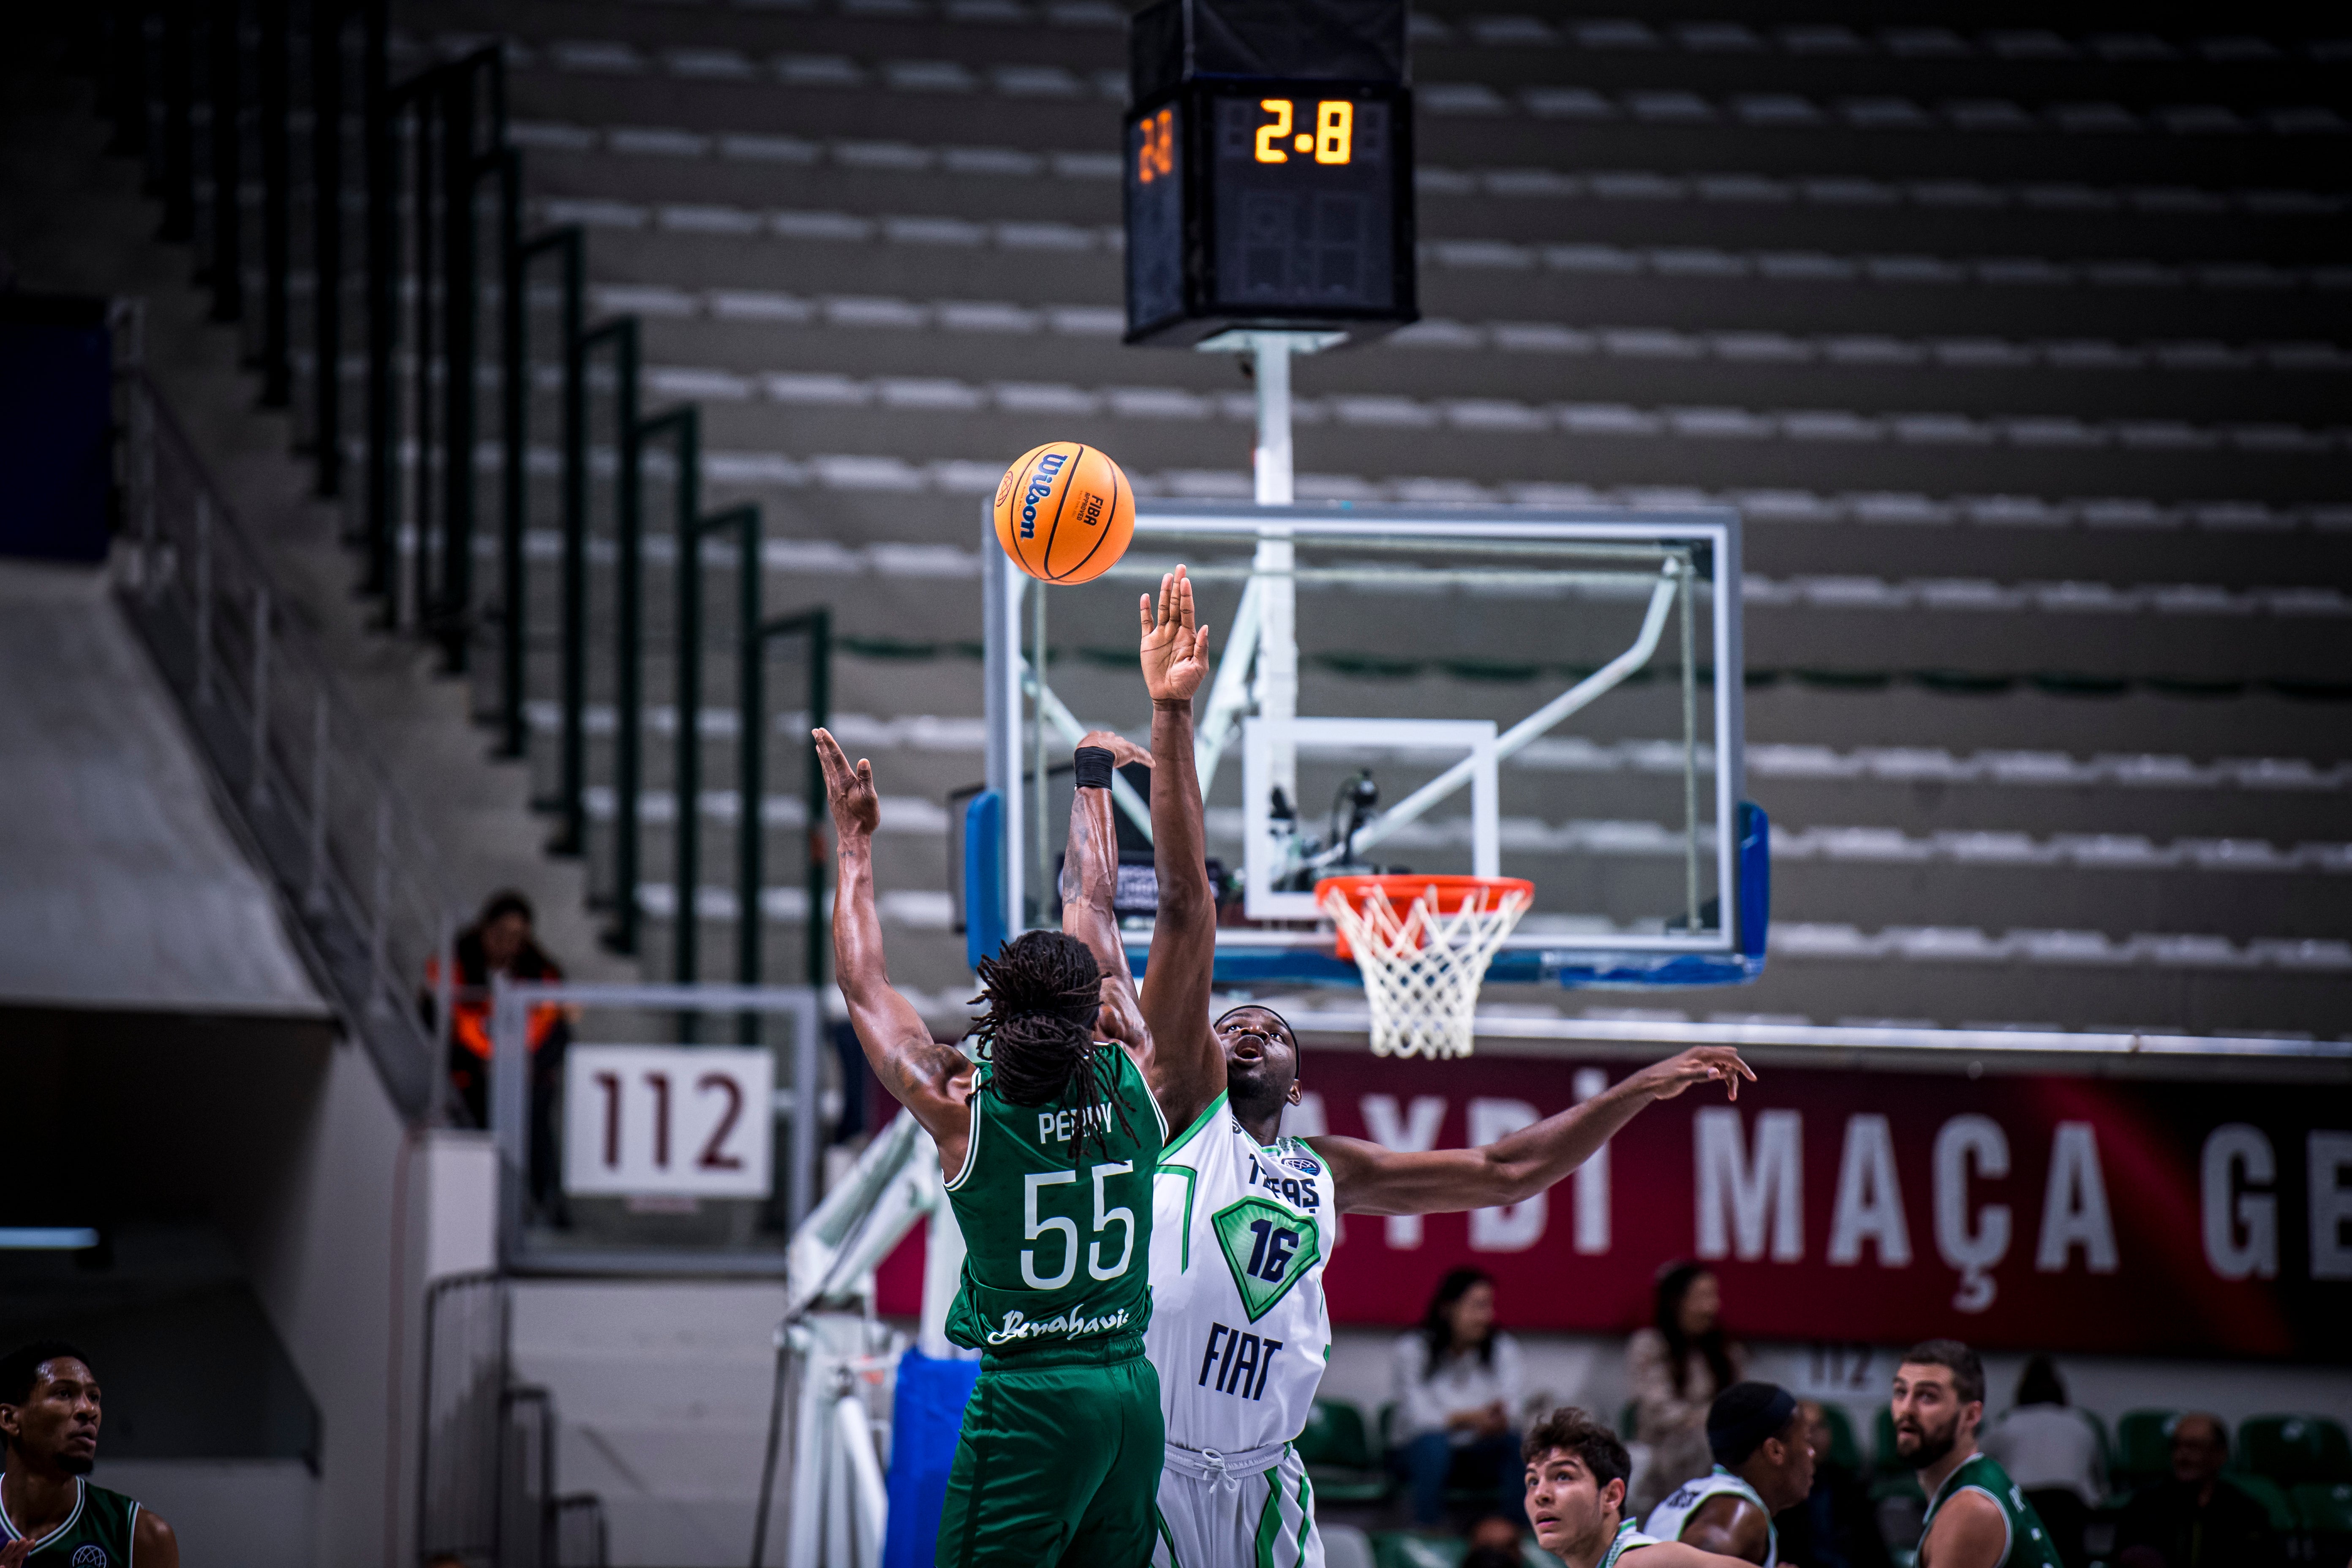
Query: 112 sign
{"x": 691, "y": 1121}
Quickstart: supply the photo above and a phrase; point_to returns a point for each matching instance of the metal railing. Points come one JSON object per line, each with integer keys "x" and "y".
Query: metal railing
{"x": 486, "y": 1455}
{"x": 285, "y": 149}
{"x": 353, "y": 863}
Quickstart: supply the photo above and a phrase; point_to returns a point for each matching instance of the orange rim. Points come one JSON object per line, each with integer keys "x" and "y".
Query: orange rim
{"x": 1402, "y": 888}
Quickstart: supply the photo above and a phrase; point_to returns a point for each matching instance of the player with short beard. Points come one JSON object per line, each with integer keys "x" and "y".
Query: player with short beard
{"x": 49, "y": 1514}
{"x": 1576, "y": 1498}
{"x": 1977, "y": 1516}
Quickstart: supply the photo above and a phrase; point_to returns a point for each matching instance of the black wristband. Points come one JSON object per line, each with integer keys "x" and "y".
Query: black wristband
{"x": 1094, "y": 767}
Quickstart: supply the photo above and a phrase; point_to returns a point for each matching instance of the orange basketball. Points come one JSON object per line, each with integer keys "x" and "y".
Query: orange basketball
{"x": 1065, "y": 512}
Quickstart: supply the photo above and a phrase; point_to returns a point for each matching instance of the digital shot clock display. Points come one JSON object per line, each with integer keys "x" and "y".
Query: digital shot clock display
{"x": 1269, "y": 203}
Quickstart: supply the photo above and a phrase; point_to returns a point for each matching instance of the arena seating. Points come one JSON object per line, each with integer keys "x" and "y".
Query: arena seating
{"x": 2020, "y": 350}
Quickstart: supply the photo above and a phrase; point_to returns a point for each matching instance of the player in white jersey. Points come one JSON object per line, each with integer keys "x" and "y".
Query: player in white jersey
{"x": 1763, "y": 1450}
{"x": 1243, "y": 1223}
{"x": 1244, "y": 1220}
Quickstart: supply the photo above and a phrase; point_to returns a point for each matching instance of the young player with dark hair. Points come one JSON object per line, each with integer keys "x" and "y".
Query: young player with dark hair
{"x": 1576, "y": 1498}
{"x": 1762, "y": 1443}
{"x": 1048, "y": 1143}
{"x": 1977, "y": 1516}
{"x": 49, "y": 1514}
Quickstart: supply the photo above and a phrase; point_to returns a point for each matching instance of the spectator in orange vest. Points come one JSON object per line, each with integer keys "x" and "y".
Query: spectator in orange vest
{"x": 499, "y": 941}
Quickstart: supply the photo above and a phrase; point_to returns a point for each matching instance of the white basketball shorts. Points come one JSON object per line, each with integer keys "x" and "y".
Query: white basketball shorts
{"x": 1251, "y": 1511}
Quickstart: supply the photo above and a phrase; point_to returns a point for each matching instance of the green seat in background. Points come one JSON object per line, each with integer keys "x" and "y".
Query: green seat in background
{"x": 2270, "y": 1494}
{"x": 1403, "y": 1549}
{"x": 2293, "y": 1450}
{"x": 2143, "y": 1449}
{"x": 1625, "y": 1412}
{"x": 1339, "y": 1456}
{"x": 1843, "y": 1448}
{"x": 2324, "y": 1507}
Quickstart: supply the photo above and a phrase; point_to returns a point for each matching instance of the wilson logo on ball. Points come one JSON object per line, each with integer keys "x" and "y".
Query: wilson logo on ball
{"x": 1039, "y": 488}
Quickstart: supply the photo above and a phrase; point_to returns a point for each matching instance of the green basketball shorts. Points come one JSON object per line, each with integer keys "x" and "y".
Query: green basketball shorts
{"x": 1058, "y": 1461}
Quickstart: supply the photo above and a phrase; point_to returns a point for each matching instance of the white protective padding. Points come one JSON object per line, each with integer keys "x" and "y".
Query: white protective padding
{"x": 1422, "y": 969}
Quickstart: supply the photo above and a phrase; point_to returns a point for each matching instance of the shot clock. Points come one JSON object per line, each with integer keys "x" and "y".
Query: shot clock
{"x": 1266, "y": 201}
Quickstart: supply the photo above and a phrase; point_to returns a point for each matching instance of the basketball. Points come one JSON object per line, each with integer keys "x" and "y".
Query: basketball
{"x": 1065, "y": 512}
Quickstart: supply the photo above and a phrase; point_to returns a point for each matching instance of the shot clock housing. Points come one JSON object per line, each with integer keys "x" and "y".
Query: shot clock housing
{"x": 1268, "y": 153}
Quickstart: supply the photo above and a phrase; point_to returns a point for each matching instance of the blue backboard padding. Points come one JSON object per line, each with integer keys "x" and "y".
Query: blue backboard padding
{"x": 56, "y": 427}
{"x": 1755, "y": 879}
{"x": 926, "y": 1417}
{"x": 983, "y": 876}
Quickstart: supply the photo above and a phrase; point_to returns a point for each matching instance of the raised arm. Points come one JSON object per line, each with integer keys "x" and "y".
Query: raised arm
{"x": 1370, "y": 1179}
{"x": 930, "y": 1079}
{"x": 1189, "y": 1068}
{"x": 1090, "y": 880}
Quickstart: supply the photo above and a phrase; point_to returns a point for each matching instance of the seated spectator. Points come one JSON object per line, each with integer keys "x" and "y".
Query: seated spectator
{"x": 2196, "y": 1519}
{"x": 1456, "y": 1376}
{"x": 1835, "y": 1525}
{"x": 1494, "y": 1543}
{"x": 1763, "y": 1448}
{"x": 1677, "y": 1369}
{"x": 499, "y": 941}
{"x": 2053, "y": 1456}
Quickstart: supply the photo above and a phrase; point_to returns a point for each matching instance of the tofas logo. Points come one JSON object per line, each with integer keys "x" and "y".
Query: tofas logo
{"x": 1040, "y": 485}
{"x": 1267, "y": 1248}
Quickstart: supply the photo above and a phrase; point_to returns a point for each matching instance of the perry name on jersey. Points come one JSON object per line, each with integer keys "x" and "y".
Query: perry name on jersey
{"x": 1056, "y": 1249}
{"x": 1240, "y": 1331}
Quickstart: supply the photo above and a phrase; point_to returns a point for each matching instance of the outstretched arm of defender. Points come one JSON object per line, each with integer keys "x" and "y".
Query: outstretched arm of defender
{"x": 1189, "y": 1070}
{"x": 1089, "y": 879}
{"x": 930, "y": 1079}
{"x": 1368, "y": 1179}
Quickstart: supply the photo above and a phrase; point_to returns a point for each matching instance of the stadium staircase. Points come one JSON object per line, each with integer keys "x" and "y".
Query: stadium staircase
{"x": 2021, "y": 342}
{"x": 2020, "y": 348}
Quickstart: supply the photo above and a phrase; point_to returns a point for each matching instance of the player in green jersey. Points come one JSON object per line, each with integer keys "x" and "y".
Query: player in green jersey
{"x": 50, "y": 1516}
{"x": 1049, "y": 1144}
{"x": 1977, "y": 1516}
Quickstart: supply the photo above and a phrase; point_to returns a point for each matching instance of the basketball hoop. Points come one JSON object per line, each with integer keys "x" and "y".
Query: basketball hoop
{"x": 1423, "y": 968}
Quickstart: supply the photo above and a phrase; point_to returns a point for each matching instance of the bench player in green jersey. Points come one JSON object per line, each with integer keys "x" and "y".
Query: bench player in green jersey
{"x": 50, "y": 1516}
{"x": 1977, "y": 1516}
{"x": 1049, "y": 1144}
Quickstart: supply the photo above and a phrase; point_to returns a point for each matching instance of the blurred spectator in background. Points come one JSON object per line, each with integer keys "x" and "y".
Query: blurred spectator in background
{"x": 1763, "y": 1450}
{"x": 2053, "y": 1455}
{"x": 1835, "y": 1525}
{"x": 1677, "y": 1369}
{"x": 1456, "y": 1378}
{"x": 1494, "y": 1543}
{"x": 499, "y": 941}
{"x": 2196, "y": 1519}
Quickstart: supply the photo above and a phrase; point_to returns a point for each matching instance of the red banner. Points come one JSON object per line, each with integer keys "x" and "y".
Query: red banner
{"x": 2027, "y": 1213}
{"x": 2024, "y": 1213}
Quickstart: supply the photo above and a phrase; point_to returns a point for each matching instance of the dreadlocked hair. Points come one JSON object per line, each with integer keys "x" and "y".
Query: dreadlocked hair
{"x": 1043, "y": 991}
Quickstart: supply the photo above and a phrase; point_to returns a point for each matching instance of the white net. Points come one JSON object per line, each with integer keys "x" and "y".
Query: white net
{"x": 1423, "y": 968}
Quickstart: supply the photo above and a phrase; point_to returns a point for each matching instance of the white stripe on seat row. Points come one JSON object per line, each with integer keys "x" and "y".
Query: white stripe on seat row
{"x": 1573, "y": 753}
{"x": 1519, "y": 182}
{"x": 1969, "y": 944}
